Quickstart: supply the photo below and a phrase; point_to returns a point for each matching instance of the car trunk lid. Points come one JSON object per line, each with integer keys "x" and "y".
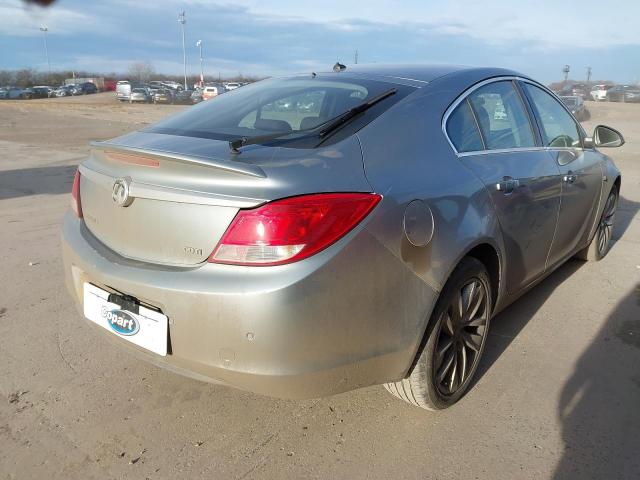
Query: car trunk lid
{"x": 168, "y": 199}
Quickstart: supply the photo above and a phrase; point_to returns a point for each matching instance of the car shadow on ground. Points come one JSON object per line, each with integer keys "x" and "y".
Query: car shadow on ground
{"x": 508, "y": 324}
{"x": 36, "y": 181}
{"x": 599, "y": 405}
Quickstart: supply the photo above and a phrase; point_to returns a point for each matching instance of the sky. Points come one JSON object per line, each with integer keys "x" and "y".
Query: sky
{"x": 263, "y": 38}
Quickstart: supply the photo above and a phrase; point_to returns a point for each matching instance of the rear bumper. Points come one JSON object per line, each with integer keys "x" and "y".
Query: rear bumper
{"x": 349, "y": 317}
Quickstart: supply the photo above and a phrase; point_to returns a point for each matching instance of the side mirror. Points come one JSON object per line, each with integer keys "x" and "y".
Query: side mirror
{"x": 604, "y": 136}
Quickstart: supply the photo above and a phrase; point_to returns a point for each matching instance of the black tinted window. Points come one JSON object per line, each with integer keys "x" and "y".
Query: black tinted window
{"x": 502, "y": 116}
{"x": 463, "y": 130}
{"x": 557, "y": 127}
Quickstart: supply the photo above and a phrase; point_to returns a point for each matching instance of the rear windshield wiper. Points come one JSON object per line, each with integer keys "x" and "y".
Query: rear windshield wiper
{"x": 236, "y": 144}
{"x": 340, "y": 120}
{"x": 327, "y": 127}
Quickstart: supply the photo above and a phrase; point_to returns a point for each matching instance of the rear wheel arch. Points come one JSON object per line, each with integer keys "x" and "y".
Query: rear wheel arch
{"x": 618, "y": 182}
{"x": 420, "y": 386}
{"x": 487, "y": 254}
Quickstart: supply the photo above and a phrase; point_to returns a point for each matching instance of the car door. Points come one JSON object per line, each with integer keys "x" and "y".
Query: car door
{"x": 520, "y": 176}
{"x": 581, "y": 172}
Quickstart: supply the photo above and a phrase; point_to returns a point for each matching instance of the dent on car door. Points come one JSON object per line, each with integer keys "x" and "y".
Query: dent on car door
{"x": 580, "y": 172}
{"x": 494, "y": 137}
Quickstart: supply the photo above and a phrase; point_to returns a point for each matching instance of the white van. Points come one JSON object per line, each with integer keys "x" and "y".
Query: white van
{"x": 123, "y": 90}
{"x": 211, "y": 91}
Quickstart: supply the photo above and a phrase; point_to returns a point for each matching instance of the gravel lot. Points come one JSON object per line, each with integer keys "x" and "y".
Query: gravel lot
{"x": 558, "y": 392}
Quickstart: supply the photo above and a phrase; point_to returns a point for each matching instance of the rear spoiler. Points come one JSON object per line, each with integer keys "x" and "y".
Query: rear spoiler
{"x": 145, "y": 155}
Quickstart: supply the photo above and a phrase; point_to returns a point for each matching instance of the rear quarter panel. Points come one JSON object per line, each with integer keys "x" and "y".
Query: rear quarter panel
{"x": 407, "y": 157}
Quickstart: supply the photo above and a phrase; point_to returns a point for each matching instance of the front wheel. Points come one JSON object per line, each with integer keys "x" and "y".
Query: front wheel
{"x": 454, "y": 341}
{"x": 601, "y": 242}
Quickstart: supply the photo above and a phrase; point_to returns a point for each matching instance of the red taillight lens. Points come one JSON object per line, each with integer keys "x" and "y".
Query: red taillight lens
{"x": 291, "y": 229}
{"x": 75, "y": 195}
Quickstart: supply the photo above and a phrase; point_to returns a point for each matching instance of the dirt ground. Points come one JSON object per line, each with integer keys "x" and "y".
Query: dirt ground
{"x": 557, "y": 395}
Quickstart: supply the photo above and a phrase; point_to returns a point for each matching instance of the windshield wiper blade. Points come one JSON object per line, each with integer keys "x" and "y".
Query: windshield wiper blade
{"x": 340, "y": 120}
{"x": 327, "y": 127}
{"x": 236, "y": 144}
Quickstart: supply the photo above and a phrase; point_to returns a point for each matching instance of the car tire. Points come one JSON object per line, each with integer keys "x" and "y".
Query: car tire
{"x": 601, "y": 241}
{"x": 435, "y": 381}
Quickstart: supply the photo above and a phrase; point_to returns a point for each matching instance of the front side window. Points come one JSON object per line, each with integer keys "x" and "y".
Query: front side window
{"x": 502, "y": 116}
{"x": 557, "y": 127}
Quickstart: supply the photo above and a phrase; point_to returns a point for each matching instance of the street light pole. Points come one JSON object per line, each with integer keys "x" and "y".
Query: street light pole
{"x": 182, "y": 21}
{"x": 199, "y": 45}
{"x": 44, "y": 31}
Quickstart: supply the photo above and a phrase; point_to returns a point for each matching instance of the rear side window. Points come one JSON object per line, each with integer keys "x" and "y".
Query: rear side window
{"x": 463, "y": 130}
{"x": 502, "y": 116}
{"x": 557, "y": 127}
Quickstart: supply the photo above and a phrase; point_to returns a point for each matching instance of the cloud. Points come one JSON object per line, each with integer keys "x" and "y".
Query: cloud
{"x": 22, "y": 20}
{"x": 264, "y": 38}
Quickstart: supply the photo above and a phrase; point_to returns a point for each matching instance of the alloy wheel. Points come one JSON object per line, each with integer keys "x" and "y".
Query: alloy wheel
{"x": 605, "y": 229}
{"x": 462, "y": 332}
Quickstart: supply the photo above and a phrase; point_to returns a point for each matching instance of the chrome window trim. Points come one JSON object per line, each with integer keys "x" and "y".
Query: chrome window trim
{"x": 465, "y": 95}
{"x": 512, "y": 150}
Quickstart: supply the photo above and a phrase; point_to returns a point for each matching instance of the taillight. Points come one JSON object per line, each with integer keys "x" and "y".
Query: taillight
{"x": 288, "y": 230}
{"x": 75, "y": 195}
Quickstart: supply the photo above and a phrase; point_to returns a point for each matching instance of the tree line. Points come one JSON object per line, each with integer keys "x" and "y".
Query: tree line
{"x": 140, "y": 72}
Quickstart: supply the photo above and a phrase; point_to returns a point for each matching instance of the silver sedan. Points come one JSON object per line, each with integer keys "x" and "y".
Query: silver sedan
{"x": 365, "y": 234}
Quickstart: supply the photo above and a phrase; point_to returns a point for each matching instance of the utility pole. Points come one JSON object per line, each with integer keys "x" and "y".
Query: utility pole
{"x": 182, "y": 21}
{"x": 44, "y": 31}
{"x": 355, "y": 57}
{"x": 199, "y": 45}
{"x": 566, "y": 71}
{"x": 588, "y": 75}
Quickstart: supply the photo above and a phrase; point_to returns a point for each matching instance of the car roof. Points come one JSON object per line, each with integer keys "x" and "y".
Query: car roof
{"x": 422, "y": 73}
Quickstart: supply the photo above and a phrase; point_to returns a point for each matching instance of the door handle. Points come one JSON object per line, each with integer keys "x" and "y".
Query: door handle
{"x": 507, "y": 185}
{"x": 569, "y": 178}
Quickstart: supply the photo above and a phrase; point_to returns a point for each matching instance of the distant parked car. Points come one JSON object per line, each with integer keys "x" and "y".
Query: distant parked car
{"x": 211, "y": 91}
{"x": 577, "y": 90}
{"x": 41, "y": 92}
{"x": 163, "y": 96}
{"x": 4, "y": 93}
{"x": 64, "y": 91}
{"x": 196, "y": 96}
{"x": 183, "y": 96}
{"x": 577, "y": 107}
{"x": 85, "y": 88}
{"x": 624, "y": 93}
{"x": 17, "y": 93}
{"x": 27, "y": 93}
{"x": 139, "y": 95}
{"x": 599, "y": 92}
{"x": 232, "y": 85}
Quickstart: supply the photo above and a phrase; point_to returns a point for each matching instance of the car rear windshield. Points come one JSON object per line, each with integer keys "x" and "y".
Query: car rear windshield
{"x": 292, "y": 106}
